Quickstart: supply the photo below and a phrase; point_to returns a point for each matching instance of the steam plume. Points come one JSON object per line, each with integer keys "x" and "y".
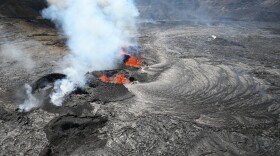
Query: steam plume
{"x": 31, "y": 101}
{"x": 96, "y": 31}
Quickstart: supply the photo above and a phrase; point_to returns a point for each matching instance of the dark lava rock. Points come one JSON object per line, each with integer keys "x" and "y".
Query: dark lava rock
{"x": 45, "y": 80}
{"x": 22, "y": 9}
{"x": 199, "y": 10}
{"x": 225, "y": 42}
{"x": 110, "y": 92}
{"x": 5, "y": 115}
{"x": 69, "y": 133}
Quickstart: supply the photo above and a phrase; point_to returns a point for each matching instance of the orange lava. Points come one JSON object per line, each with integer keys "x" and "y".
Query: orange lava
{"x": 104, "y": 78}
{"x": 120, "y": 78}
{"x": 133, "y": 61}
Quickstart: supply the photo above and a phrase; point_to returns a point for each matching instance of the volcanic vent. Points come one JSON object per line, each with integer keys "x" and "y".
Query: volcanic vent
{"x": 127, "y": 72}
{"x": 95, "y": 38}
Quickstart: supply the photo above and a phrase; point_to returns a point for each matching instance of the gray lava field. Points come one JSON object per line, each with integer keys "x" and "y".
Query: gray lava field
{"x": 209, "y": 88}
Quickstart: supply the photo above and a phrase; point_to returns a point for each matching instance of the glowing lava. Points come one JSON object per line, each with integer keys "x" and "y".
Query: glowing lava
{"x": 104, "y": 78}
{"x": 120, "y": 78}
{"x": 133, "y": 61}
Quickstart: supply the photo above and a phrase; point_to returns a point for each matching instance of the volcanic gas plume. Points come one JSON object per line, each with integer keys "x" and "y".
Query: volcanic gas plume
{"x": 96, "y": 30}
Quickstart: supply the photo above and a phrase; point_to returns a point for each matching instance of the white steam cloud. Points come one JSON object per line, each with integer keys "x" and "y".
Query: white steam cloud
{"x": 31, "y": 101}
{"x": 96, "y": 31}
{"x": 61, "y": 88}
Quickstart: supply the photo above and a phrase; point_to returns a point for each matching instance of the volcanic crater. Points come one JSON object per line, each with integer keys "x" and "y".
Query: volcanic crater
{"x": 203, "y": 88}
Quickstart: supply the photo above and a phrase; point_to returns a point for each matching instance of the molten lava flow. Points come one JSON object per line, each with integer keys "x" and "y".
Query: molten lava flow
{"x": 133, "y": 61}
{"x": 104, "y": 78}
{"x": 120, "y": 78}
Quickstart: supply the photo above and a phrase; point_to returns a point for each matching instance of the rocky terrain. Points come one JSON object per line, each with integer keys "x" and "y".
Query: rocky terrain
{"x": 194, "y": 10}
{"x": 203, "y": 11}
{"x": 205, "y": 88}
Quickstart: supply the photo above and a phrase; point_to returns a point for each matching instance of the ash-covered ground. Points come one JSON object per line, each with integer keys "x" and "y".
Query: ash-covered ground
{"x": 204, "y": 89}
